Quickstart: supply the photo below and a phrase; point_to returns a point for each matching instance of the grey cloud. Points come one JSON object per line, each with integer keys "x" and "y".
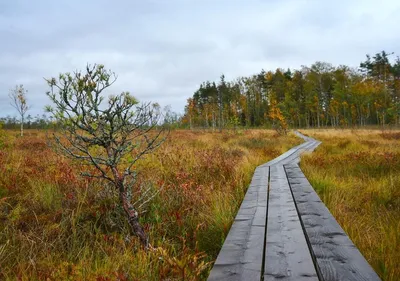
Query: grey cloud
{"x": 163, "y": 50}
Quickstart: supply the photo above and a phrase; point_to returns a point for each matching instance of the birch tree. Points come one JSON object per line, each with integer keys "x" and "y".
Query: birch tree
{"x": 18, "y": 101}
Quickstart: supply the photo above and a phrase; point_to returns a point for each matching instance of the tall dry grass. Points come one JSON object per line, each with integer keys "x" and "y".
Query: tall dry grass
{"x": 357, "y": 175}
{"x": 55, "y": 225}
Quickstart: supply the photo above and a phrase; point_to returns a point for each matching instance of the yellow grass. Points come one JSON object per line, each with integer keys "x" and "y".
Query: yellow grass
{"x": 55, "y": 225}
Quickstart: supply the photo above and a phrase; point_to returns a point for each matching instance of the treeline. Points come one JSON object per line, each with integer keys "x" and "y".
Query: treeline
{"x": 30, "y": 122}
{"x": 170, "y": 118}
{"x": 315, "y": 96}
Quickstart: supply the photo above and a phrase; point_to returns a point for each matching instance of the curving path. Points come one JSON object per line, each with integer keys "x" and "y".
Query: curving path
{"x": 283, "y": 231}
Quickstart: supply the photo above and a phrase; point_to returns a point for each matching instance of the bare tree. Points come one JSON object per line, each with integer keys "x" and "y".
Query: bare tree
{"x": 110, "y": 136}
{"x": 18, "y": 101}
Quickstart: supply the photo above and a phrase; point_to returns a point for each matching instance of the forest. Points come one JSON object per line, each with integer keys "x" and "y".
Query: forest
{"x": 319, "y": 95}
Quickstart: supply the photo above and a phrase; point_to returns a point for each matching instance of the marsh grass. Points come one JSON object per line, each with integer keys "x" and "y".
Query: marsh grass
{"x": 357, "y": 175}
{"x": 55, "y": 225}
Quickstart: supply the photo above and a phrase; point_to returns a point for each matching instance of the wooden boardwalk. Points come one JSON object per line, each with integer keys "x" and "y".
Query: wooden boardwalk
{"x": 283, "y": 231}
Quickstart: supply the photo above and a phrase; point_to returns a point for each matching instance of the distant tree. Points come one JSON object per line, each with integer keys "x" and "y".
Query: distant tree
{"x": 110, "y": 136}
{"x": 18, "y": 101}
{"x": 29, "y": 118}
{"x": 278, "y": 120}
{"x": 190, "y": 112}
{"x": 378, "y": 67}
{"x": 2, "y": 134}
{"x": 383, "y": 73}
{"x": 171, "y": 118}
{"x": 221, "y": 92}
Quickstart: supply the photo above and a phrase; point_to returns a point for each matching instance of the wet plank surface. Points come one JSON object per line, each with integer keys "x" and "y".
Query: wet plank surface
{"x": 287, "y": 254}
{"x": 284, "y": 232}
{"x": 242, "y": 253}
{"x": 336, "y": 256}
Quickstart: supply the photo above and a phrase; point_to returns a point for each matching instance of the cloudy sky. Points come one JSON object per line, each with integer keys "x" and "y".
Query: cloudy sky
{"x": 163, "y": 49}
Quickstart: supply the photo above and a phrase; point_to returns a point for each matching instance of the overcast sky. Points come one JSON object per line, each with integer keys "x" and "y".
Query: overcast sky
{"x": 163, "y": 49}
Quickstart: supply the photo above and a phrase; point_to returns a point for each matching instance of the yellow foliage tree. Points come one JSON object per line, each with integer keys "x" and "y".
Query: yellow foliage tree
{"x": 278, "y": 120}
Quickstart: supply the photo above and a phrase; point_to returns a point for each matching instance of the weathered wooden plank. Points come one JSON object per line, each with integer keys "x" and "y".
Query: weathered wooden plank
{"x": 303, "y": 240}
{"x": 242, "y": 252}
{"x": 241, "y": 255}
{"x": 335, "y": 254}
{"x": 295, "y": 157}
{"x": 287, "y": 253}
{"x": 285, "y": 155}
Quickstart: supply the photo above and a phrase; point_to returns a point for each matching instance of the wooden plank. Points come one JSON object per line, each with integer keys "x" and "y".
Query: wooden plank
{"x": 293, "y": 155}
{"x": 285, "y": 155}
{"x": 336, "y": 256}
{"x": 242, "y": 252}
{"x": 303, "y": 240}
{"x": 295, "y": 158}
{"x": 287, "y": 253}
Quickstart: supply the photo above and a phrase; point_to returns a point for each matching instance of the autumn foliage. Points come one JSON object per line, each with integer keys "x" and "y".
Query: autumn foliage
{"x": 318, "y": 95}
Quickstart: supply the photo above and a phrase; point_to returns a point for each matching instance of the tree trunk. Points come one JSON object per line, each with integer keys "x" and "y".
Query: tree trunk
{"x": 133, "y": 219}
{"x": 213, "y": 120}
{"x": 220, "y": 117}
{"x": 207, "y": 125}
{"x": 130, "y": 211}
{"x": 22, "y": 126}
